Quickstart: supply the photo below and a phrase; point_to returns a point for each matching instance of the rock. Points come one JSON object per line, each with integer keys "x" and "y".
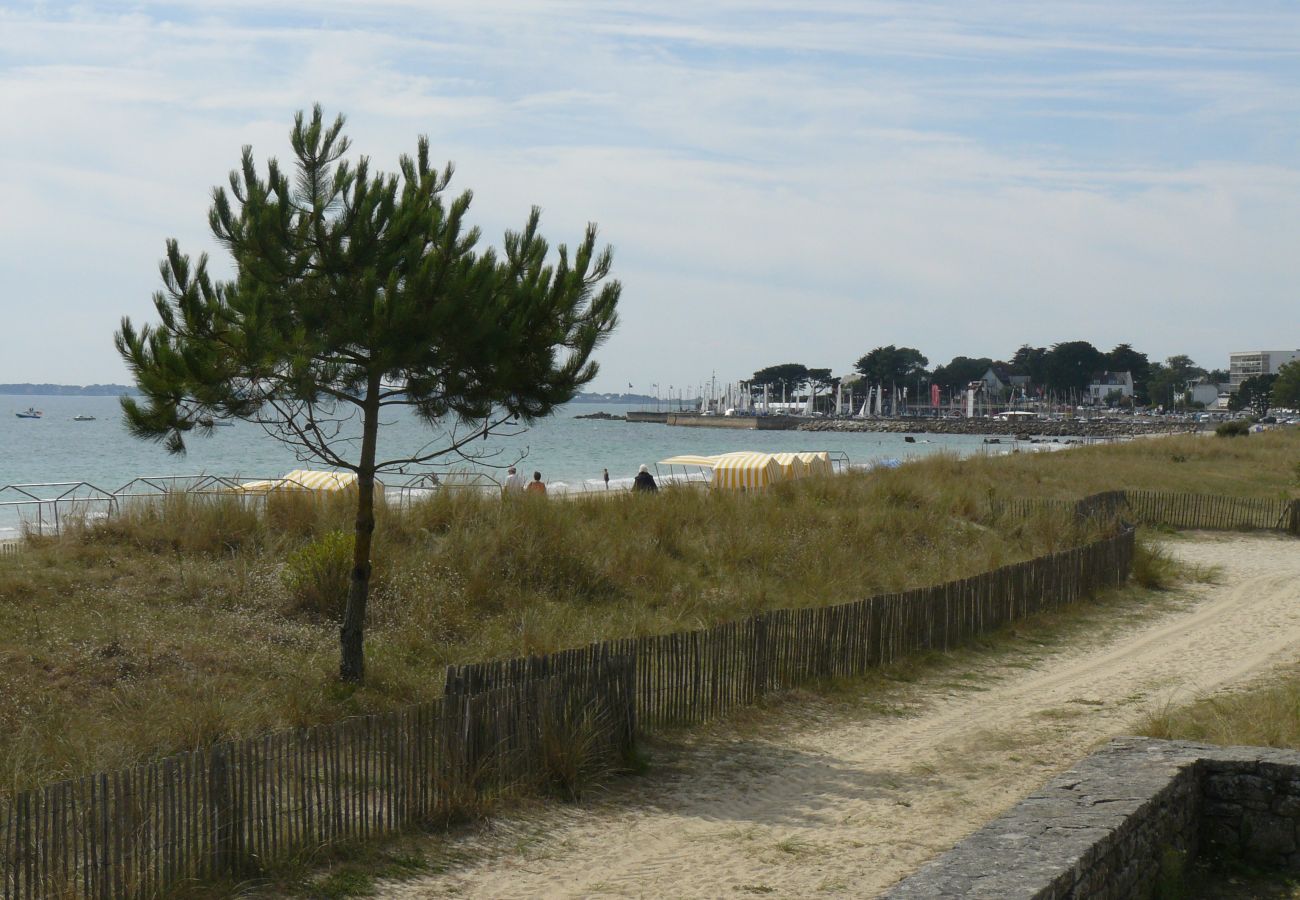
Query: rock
{"x": 1038, "y": 429}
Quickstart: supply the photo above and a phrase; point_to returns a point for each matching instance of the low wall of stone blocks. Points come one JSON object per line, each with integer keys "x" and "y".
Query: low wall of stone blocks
{"x": 1122, "y": 820}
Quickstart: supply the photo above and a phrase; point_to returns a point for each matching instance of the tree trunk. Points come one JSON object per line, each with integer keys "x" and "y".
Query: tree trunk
{"x": 352, "y": 664}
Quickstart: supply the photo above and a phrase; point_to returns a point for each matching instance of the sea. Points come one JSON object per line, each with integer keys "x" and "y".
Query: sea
{"x": 570, "y": 452}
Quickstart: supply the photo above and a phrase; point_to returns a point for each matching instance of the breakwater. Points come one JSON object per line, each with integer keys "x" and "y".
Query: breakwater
{"x": 1035, "y": 428}
{"x": 748, "y": 423}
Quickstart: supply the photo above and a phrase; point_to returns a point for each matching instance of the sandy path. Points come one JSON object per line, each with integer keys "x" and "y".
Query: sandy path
{"x": 844, "y": 800}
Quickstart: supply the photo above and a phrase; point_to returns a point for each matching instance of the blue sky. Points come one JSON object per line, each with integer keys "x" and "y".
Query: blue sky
{"x": 781, "y": 181}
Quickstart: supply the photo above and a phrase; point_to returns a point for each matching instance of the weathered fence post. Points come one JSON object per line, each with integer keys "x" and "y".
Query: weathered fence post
{"x": 760, "y": 651}
{"x": 628, "y": 699}
{"x": 221, "y": 811}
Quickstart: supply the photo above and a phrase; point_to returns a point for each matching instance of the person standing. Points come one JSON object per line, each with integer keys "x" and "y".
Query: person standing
{"x": 537, "y": 486}
{"x": 607, "y": 479}
{"x": 644, "y": 481}
{"x": 514, "y": 482}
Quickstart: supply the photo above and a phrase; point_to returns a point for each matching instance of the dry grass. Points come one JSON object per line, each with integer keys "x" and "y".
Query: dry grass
{"x": 171, "y": 626}
{"x": 1267, "y": 715}
{"x": 1260, "y": 465}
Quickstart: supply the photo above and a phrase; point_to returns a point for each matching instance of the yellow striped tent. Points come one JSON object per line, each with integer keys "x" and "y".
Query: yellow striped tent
{"x": 745, "y": 470}
{"x": 793, "y": 465}
{"x": 818, "y": 462}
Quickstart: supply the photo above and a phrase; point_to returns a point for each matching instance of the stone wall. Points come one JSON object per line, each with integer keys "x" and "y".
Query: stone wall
{"x": 1123, "y": 820}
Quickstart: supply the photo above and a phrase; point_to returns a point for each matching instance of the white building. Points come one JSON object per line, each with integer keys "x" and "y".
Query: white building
{"x": 1108, "y": 383}
{"x": 1249, "y": 363}
{"x": 1206, "y": 393}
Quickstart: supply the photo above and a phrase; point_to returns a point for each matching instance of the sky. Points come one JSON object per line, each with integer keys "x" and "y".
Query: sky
{"x": 780, "y": 180}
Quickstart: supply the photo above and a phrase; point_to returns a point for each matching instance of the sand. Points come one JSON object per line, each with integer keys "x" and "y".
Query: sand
{"x": 828, "y": 798}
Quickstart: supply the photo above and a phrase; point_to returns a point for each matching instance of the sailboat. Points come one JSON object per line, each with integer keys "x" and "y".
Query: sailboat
{"x": 30, "y": 413}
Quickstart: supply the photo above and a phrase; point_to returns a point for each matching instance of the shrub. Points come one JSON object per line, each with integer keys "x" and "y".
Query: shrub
{"x": 1237, "y": 428}
{"x": 317, "y": 574}
{"x": 1153, "y": 566}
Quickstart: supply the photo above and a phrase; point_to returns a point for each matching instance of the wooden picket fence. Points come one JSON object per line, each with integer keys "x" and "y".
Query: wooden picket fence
{"x": 1191, "y": 511}
{"x": 1205, "y": 511}
{"x": 693, "y": 676}
{"x": 238, "y": 806}
{"x": 1107, "y": 505}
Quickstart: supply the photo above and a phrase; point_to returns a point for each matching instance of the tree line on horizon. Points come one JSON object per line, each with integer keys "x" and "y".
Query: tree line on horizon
{"x": 1064, "y": 369}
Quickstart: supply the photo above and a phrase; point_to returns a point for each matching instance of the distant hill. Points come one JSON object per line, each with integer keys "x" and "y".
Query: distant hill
{"x": 68, "y": 390}
{"x": 612, "y": 398}
{"x": 117, "y": 390}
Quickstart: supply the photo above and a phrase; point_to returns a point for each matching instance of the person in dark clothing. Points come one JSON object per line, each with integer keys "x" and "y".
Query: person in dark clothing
{"x": 644, "y": 481}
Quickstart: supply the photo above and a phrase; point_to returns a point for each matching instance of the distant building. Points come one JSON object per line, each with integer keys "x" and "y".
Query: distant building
{"x": 1107, "y": 383}
{"x": 1207, "y": 393}
{"x": 999, "y": 381}
{"x": 1249, "y": 363}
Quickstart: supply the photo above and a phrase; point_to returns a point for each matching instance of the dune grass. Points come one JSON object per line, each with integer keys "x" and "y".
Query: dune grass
{"x": 1260, "y": 465}
{"x": 1266, "y": 715}
{"x": 174, "y": 625}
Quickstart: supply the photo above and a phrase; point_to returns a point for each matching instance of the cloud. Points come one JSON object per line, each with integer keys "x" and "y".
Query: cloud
{"x": 781, "y": 180}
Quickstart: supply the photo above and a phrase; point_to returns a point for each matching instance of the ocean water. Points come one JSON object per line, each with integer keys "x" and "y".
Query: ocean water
{"x": 569, "y": 452}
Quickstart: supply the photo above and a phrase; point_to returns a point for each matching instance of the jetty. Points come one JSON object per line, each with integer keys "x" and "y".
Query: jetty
{"x": 741, "y": 422}
{"x": 654, "y": 418}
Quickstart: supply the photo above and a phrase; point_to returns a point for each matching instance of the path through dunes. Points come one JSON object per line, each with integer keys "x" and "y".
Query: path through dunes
{"x": 826, "y": 798}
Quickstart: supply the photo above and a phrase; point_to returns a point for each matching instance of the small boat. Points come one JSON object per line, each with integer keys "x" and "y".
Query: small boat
{"x": 83, "y": 418}
{"x": 215, "y": 423}
{"x": 30, "y": 413}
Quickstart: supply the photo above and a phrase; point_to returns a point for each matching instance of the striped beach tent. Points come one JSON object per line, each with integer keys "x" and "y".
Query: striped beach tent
{"x": 818, "y": 462}
{"x": 745, "y": 470}
{"x": 793, "y": 465}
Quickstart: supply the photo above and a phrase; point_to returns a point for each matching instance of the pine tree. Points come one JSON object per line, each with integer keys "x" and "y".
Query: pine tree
{"x": 355, "y": 294}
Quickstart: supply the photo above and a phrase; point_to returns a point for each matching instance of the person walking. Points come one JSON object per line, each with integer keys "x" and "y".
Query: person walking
{"x": 607, "y": 479}
{"x": 536, "y": 486}
{"x": 514, "y": 482}
{"x": 644, "y": 481}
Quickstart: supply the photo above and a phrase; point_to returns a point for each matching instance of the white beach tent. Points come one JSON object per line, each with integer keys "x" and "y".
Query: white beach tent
{"x": 305, "y": 480}
{"x": 688, "y": 461}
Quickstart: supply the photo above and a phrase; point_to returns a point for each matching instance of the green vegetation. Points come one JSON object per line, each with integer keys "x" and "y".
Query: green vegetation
{"x": 316, "y": 576}
{"x": 1286, "y": 387}
{"x": 1235, "y": 428}
{"x": 355, "y": 293}
{"x": 178, "y": 624}
{"x": 1254, "y": 394}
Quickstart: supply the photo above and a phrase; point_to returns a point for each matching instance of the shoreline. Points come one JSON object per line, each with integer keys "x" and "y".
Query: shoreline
{"x": 994, "y": 428}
